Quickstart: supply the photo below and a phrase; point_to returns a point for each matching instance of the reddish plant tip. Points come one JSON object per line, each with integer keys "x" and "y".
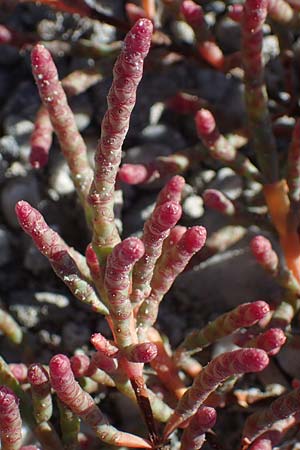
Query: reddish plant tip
{"x": 7, "y": 399}
{"x": 271, "y": 341}
{"x": 139, "y": 38}
{"x": 23, "y": 209}
{"x": 133, "y": 173}
{"x": 103, "y": 362}
{"x": 193, "y": 239}
{"x": 103, "y": 345}
{"x": 92, "y": 261}
{"x": 260, "y": 245}
{"x": 275, "y": 337}
{"x": 176, "y": 183}
{"x": 235, "y": 12}
{"x": 19, "y": 371}
{"x": 172, "y": 191}
{"x": 37, "y": 375}
{"x": 91, "y": 255}
{"x": 184, "y": 103}
{"x": 176, "y": 234}
{"x": 263, "y": 252}
{"x": 255, "y": 13}
{"x": 257, "y": 310}
{"x": 38, "y": 157}
{"x": 205, "y": 417}
{"x": 130, "y": 250}
{"x": 143, "y": 353}
{"x": 79, "y": 365}
{"x": 192, "y": 12}
{"x": 167, "y": 215}
{"x": 253, "y": 360}
{"x": 205, "y": 122}
{"x": 213, "y": 198}
{"x": 40, "y": 56}
{"x": 98, "y": 341}
{"x": 59, "y": 365}
{"x": 216, "y": 200}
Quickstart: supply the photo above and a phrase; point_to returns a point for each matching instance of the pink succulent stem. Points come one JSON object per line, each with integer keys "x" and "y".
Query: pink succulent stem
{"x": 93, "y": 263}
{"x": 62, "y": 119}
{"x": 101, "y": 376}
{"x": 242, "y": 316}
{"x": 82, "y": 404}
{"x": 41, "y": 392}
{"x": 161, "y": 167}
{"x": 235, "y": 12}
{"x": 164, "y": 365}
{"x": 207, "y": 47}
{"x": 264, "y": 254}
{"x": 254, "y": 15}
{"x": 41, "y": 139}
{"x": 141, "y": 353}
{"x": 10, "y": 420}
{"x": 282, "y": 408}
{"x": 19, "y": 371}
{"x": 216, "y": 372}
{"x": 96, "y": 271}
{"x": 184, "y": 103}
{"x": 216, "y": 200}
{"x": 156, "y": 230}
{"x": 128, "y": 71}
{"x": 83, "y": 366}
{"x": 43, "y": 431}
{"x": 117, "y": 284}
{"x": 60, "y": 256}
{"x": 194, "y": 435}
{"x": 167, "y": 269}
{"x": 69, "y": 426}
{"x": 270, "y": 341}
{"x": 137, "y": 173}
{"x": 101, "y": 361}
{"x": 272, "y": 438}
{"x": 220, "y": 148}
{"x": 79, "y": 365}
{"x": 172, "y": 191}
{"x": 104, "y": 345}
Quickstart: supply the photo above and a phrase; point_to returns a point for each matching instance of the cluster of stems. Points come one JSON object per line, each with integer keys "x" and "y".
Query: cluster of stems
{"x": 125, "y": 280}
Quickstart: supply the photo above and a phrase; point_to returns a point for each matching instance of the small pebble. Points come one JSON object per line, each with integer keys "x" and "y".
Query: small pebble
{"x": 60, "y": 180}
{"x": 9, "y": 148}
{"x": 193, "y": 206}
